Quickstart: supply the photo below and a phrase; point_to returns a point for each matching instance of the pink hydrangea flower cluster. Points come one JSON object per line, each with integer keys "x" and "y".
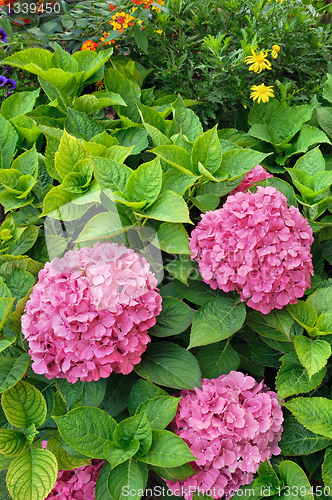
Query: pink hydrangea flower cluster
{"x": 77, "y": 484}
{"x": 256, "y": 245}
{"x": 256, "y": 174}
{"x": 90, "y": 312}
{"x": 231, "y": 426}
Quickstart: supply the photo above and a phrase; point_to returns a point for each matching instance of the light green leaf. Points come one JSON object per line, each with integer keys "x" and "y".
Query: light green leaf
{"x": 12, "y": 370}
{"x": 90, "y": 62}
{"x": 19, "y": 104}
{"x": 24, "y": 405}
{"x": 321, "y": 299}
{"x": 126, "y": 476}
{"x": 313, "y": 354}
{"x": 169, "y": 365}
{"x": 313, "y": 413}
{"x": 327, "y": 468}
{"x": 312, "y": 162}
{"x": 294, "y": 477}
{"x": 81, "y": 125}
{"x": 101, "y": 226}
{"x": 174, "y": 473}
{"x": 176, "y": 156}
{"x": 6, "y": 305}
{"x": 24, "y": 57}
{"x": 88, "y": 430}
{"x": 115, "y": 455}
{"x": 323, "y": 325}
{"x": 292, "y": 377}
{"x": 145, "y": 182}
{"x": 8, "y": 139}
{"x": 19, "y": 283}
{"x": 276, "y": 325}
{"x": 158, "y": 139}
{"x": 127, "y": 89}
{"x": 297, "y": 440}
{"x": 174, "y": 318}
{"x": 207, "y": 151}
{"x": 237, "y": 162}
{"x": 169, "y": 207}
{"x": 111, "y": 174}
{"x": 55, "y": 199}
{"x": 142, "y": 391}
{"x": 65, "y": 461}
{"x": 304, "y": 313}
{"x": 27, "y": 163}
{"x": 6, "y": 342}
{"x": 136, "y": 427}
{"x": 12, "y": 442}
{"x": 217, "y": 359}
{"x": 71, "y": 151}
{"x": 159, "y": 411}
{"x": 153, "y": 118}
{"x": 185, "y": 121}
{"x": 132, "y": 136}
{"x": 216, "y": 320}
{"x": 167, "y": 450}
{"x": 32, "y": 475}
{"x": 173, "y": 238}
{"x": 24, "y": 242}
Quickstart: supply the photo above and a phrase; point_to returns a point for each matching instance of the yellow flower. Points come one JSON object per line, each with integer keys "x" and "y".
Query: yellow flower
{"x": 160, "y": 2}
{"x": 103, "y": 38}
{"x": 258, "y": 61}
{"x": 275, "y": 51}
{"x": 160, "y": 32}
{"x": 261, "y": 93}
{"x": 281, "y": 1}
{"x": 276, "y": 48}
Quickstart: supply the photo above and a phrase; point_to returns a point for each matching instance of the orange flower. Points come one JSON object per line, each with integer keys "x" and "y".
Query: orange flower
{"x": 121, "y": 21}
{"x": 103, "y": 38}
{"x": 89, "y": 45}
{"x": 24, "y": 19}
{"x": 146, "y": 3}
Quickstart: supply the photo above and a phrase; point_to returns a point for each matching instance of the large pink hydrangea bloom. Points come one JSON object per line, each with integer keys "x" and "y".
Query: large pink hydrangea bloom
{"x": 256, "y": 245}
{"x": 77, "y": 484}
{"x": 256, "y": 174}
{"x": 90, "y": 312}
{"x": 231, "y": 426}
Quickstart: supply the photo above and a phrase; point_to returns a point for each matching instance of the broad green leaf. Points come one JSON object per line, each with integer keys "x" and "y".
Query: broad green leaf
{"x": 216, "y": 320}
{"x": 118, "y": 387}
{"x": 6, "y": 305}
{"x": 115, "y": 455}
{"x": 169, "y": 365}
{"x": 294, "y": 477}
{"x": 12, "y": 442}
{"x": 185, "y": 121}
{"x": 25, "y": 57}
{"x": 169, "y": 207}
{"x": 313, "y": 354}
{"x": 25, "y": 241}
{"x": 174, "y": 318}
{"x": 324, "y": 117}
{"x": 62, "y": 59}
{"x": 276, "y": 325}
{"x": 145, "y": 182}
{"x": 101, "y": 490}
{"x": 124, "y": 478}
{"x": 132, "y": 136}
{"x": 19, "y": 283}
{"x": 153, "y": 118}
{"x": 55, "y": 200}
{"x": 27, "y": 163}
{"x": 175, "y": 156}
{"x": 167, "y": 450}
{"x": 136, "y": 427}
{"x": 304, "y": 313}
{"x": 313, "y": 413}
{"x": 327, "y": 468}
{"x": 312, "y": 162}
{"x": 181, "y": 268}
{"x": 158, "y": 139}
{"x": 19, "y": 104}
{"x": 143, "y": 391}
{"x": 24, "y": 405}
{"x": 308, "y": 137}
{"x": 239, "y": 161}
{"x": 217, "y": 359}
{"x": 81, "y": 125}
{"x": 173, "y": 238}
{"x": 197, "y": 292}
{"x": 323, "y": 325}
{"x": 297, "y": 440}
{"x": 111, "y": 174}
{"x": 8, "y": 139}
{"x": 65, "y": 461}
{"x": 90, "y": 62}
{"x": 6, "y": 342}
{"x": 128, "y": 90}
{"x": 87, "y": 429}
{"x": 174, "y": 473}
{"x": 292, "y": 378}
{"x": 207, "y": 151}
{"x": 71, "y": 151}
{"x": 206, "y": 202}
{"x": 159, "y": 411}
{"x": 93, "y": 392}
{"x": 69, "y": 392}
{"x": 101, "y": 226}
{"x": 4, "y": 290}
{"x": 32, "y": 475}
{"x": 321, "y": 299}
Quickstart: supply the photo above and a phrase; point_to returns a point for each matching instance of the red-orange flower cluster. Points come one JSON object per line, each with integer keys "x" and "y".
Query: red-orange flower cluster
{"x": 89, "y": 45}
{"x": 146, "y": 3}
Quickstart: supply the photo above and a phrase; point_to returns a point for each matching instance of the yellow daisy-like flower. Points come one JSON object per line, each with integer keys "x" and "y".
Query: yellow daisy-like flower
{"x": 275, "y": 51}
{"x": 160, "y": 32}
{"x": 276, "y": 48}
{"x": 281, "y": 1}
{"x": 160, "y": 2}
{"x": 258, "y": 61}
{"x": 261, "y": 93}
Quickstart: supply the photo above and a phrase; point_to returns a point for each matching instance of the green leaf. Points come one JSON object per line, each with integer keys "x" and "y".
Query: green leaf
{"x": 69, "y": 392}
{"x": 65, "y": 461}
{"x": 19, "y": 283}
{"x": 167, "y": 450}
{"x": 8, "y": 139}
{"x": 327, "y": 468}
{"x": 175, "y": 317}
{"x": 276, "y": 325}
{"x": 207, "y": 151}
{"x": 111, "y": 174}
{"x": 321, "y": 299}
{"x": 116, "y": 456}
{"x": 312, "y": 162}
{"x": 294, "y": 477}
{"x": 141, "y": 392}
{"x": 324, "y": 324}
{"x": 55, "y": 199}
{"x": 88, "y": 430}
{"x": 6, "y": 305}
{"x": 297, "y": 440}
{"x": 90, "y": 62}
{"x": 27, "y": 163}
{"x": 313, "y": 413}
{"x": 12, "y": 370}
{"x": 24, "y": 405}
{"x": 206, "y": 202}
{"x": 304, "y": 313}
{"x": 25, "y": 241}
{"x": 324, "y": 117}
{"x": 101, "y": 226}
{"x": 153, "y": 118}
{"x": 169, "y": 365}
{"x": 32, "y": 475}
{"x": 176, "y": 156}
{"x": 313, "y": 354}
{"x": 117, "y": 392}
{"x": 19, "y": 104}
{"x": 217, "y": 359}
{"x": 216, "y": 320}
{"x": 185, "y": 121}
{"x": 71, "y": 151}
{"x": 101, "y": 490}
{"x": 133, "y": 136}
{"x": 169, "y": 207}
{"x": 292, "y": 378}
{"x": 182, "y": 268}
{"x": 197, "y": 292}
{"x": 128, "y": 90}
{"x": 94, "y": 392}
{"x": 126, "y": 477}
{"x": 159, "y": 411}
{"x": 239, "y": 161}
{"x": 12, "y": 442}
{"x": 81, "y": 125}
{"x": 173, "y": 238}
{"x": 25, "y": 57}
{"x": 174, "y": 473}
{"x": 145, "y": 182}
{"x": 158, "y": 139}
{"x": 308, "y": 136}
{"x": 6, "y": 342}
{"x": 136, "y": 427}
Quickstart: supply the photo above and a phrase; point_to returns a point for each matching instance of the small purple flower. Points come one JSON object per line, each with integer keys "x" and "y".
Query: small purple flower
{"x": 11, "y": 84}
{"x": 3, "y": 35}
{"x": 3, "y": 80}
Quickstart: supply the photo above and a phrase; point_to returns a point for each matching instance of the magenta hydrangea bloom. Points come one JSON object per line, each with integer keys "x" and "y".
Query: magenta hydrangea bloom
{"x": 256, "y": 245}
{"x": 256, "y": 174}
{"x": 90, "y": 312}
{"x": 232, "y": 425}
{"x": 77, "y": 484}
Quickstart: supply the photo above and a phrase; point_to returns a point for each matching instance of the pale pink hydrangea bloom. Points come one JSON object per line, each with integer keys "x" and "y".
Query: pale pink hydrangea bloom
{"x": 256, "y": 245}
{"x": 232, "y": 425}
{"x": 256, "y": 174}
{"x": 77, "y": 484}
{"x": 90, "y": 312}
